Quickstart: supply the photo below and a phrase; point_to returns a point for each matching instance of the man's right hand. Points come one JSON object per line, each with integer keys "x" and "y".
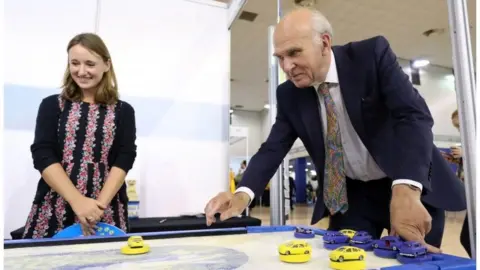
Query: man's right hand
{"x": 227, "y": 205}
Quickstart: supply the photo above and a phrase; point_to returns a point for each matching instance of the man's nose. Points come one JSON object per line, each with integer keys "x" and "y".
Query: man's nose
{"x": 288, "y": 65}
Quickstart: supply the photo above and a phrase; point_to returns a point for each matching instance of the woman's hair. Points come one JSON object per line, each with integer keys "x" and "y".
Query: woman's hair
{"x": 107, "y": 91}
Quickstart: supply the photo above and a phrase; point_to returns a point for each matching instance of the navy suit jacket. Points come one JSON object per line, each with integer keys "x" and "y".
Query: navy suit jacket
{"x": 388, "y": 114}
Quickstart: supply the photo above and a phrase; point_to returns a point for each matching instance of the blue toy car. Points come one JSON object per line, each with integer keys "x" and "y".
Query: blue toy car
{"x": 333, "y": 237}
{"x": 361, "y": 238}
{"x": 412, "y": 249}
{"x": 392, "y": 243}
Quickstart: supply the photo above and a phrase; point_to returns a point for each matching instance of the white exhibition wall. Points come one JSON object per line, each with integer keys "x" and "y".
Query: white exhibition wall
{"x": 252, "y": 121}
{"x": 172, "y": 63}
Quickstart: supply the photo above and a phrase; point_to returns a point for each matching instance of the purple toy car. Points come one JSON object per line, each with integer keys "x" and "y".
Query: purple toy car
{"x": 361, "y": 238}
{"x": 303, "y": 230}
{"x": 412, "y": 249}
{"x": 333, "y": 237}
{"x": 388, "y": 243}
{"x": 304, "y": 233}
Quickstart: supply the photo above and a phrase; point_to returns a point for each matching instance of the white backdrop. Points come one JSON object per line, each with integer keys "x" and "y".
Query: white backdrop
{"x": 172, "y": 62}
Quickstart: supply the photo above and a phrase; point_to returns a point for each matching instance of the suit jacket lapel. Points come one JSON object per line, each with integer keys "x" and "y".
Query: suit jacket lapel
{"x": 352, "y": 88}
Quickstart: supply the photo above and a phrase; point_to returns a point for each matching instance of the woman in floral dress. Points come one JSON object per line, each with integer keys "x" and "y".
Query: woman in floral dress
{"x": 84, "y": 146}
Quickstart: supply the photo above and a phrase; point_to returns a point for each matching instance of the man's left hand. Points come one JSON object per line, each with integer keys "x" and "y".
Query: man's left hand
{"x": 408, "y": 217}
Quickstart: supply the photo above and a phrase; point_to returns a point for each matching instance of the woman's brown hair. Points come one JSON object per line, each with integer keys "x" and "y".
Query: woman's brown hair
{"x": 107, "y": 92}
{"x": 455, "y": 114}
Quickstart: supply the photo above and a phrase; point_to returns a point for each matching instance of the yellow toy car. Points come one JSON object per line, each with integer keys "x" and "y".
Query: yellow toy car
{"x": 295, "y": 251}
{"x": 135, "y": 245}
{"x": 349, "y": 233}
{"x": 347, "y": 253}
{"x": 135, "y": 242}
{"x": 295, "y": 247}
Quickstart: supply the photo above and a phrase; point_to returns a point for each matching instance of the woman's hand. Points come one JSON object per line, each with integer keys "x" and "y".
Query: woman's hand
{"x": 89, "y": 212}
{"x": 88, "y": 230}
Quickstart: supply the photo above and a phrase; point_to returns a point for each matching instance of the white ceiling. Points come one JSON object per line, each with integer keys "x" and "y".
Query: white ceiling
{"x": 402, "y": 22}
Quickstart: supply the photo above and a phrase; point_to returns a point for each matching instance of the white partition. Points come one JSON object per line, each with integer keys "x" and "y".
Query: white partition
{"x": 172, "y": 62}
{"x": 238, "y": 151}
{"x": 36, "y": 38}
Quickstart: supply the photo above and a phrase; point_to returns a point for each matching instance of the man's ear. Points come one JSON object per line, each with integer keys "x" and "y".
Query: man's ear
{"x": 326, "y": 44}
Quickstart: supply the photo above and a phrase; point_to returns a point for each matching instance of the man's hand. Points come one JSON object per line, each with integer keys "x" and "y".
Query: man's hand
{"x": 227, "y": 204}
{"x": 409, "y": 218}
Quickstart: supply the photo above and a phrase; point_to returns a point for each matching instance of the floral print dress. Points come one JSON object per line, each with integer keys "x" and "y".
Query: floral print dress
{"x": 87, "y": 140}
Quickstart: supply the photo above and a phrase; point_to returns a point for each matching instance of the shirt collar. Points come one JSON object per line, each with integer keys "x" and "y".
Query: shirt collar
{"x": 332, "y": 75}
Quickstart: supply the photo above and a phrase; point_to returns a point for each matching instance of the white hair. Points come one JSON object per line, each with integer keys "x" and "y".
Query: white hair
{"x": 320, "y": 24}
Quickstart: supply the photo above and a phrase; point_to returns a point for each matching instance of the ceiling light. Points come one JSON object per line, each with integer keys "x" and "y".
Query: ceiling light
{"x": 266, "y": 106}
{"x": 308, "y": 163}
{"x": 231, "y": 111}
{"x": 420, "y": 63}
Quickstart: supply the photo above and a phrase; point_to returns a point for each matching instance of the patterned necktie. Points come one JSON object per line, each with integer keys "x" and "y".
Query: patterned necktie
{"x": 334, "y": 183}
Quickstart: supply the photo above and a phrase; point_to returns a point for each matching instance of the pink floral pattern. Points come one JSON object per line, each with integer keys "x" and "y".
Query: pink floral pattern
{"x": 88, "y": 145}
{"x": 30, "y": 217}
{"x": 44, "y": 216}
{"x": 85, "y": 126}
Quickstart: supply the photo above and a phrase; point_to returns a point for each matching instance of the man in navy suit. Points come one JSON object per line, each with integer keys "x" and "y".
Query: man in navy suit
{"x": 367, "y": 130}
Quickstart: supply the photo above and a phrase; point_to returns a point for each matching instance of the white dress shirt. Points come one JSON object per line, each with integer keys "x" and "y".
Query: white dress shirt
{"x": 358, "y": 162}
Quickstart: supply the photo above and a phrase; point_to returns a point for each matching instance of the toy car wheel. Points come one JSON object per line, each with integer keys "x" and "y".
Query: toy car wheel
{"x": 288, "y": 252}
{"x": 340, "y": 259}
{"x": 394, "y": 248}
{"x": 306, "y": 252}
{"x": 375, "y": 246}
{"x": 360, "y": 258}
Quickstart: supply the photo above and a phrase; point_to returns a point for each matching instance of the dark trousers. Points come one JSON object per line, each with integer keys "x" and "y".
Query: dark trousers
{"x": 465, "y": 237}
{"x": 369, "y": 210}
